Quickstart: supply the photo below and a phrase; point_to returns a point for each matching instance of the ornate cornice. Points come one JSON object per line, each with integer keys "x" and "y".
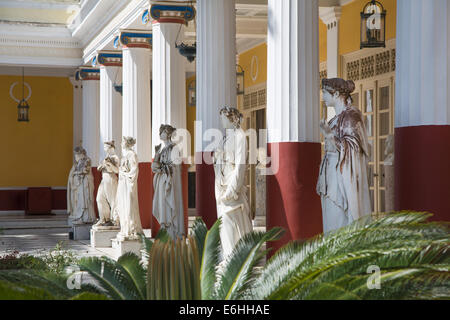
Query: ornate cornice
{"x": 87, "y": 73}
{"x": 133, "y": 39}
{"x": 107, "y": 58}
{"x": 162, "y": 12}
{"x": 330, "y": 15}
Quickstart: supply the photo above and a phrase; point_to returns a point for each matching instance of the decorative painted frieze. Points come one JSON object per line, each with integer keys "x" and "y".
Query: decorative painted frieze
{"x": 107, "y": 59}
{"x": 162, "y": 11}
{"x": 87, "y": 73}
{"x": 133, "y": 39}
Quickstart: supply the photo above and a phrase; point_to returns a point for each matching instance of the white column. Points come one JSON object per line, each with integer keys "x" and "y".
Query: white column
{"x": 331, "y": 16}
{"x": 91, "y": 119}
{"x": 423, "y": 63}
{"x": 293, "y": 71}
{"x": 216, "y": 62}
{"x": 77, "y": 111}
{"x": 110, "y": 108}
{"x": 136, "y": 116}
{"x": 169, "y": 79}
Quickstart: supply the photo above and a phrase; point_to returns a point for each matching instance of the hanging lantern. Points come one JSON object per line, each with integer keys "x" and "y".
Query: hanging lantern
{"x": 23, "y": 109}
{"x": 373, "y": 25}
{"x": 188, "y": 51}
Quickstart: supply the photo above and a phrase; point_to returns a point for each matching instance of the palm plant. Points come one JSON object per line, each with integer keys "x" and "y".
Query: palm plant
{"x": 410, "y": 254}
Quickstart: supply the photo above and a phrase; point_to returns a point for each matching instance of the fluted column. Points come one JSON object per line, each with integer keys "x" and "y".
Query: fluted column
{"x": 216, "y": 87}
{"x": 169, "y": 79}
{"x": 331, "y": 16}
{"x": 422, "y": 110}
{"x": 169, "y": 72}
{"x": 293, "y": 118}
{"x": 91, "y": 112}
{"x": 77, "y": 111}
{"x": 136, "y": 110}
{"x": 110, "y": 63}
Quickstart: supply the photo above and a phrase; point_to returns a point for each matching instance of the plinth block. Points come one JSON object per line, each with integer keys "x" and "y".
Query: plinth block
{"x": 102, "y": 238}
{"x": 81, "y": 231}
{"x": 123, "y": 246}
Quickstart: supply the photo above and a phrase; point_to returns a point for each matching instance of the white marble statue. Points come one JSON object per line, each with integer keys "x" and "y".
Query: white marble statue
{"x": 80, "y": 189}
{"x": 343, "y": 183}
{"x": 167, "y": 186}
{"x": 230, "y": 190}
{"x": 106, "y": 194}
{"x": 389, "y": 172}
{"x": 127, "y": 204}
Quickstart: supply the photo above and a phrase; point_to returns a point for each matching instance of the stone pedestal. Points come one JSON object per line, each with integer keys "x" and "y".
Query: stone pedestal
{"x": 81, "y": 232}
{"x": 101, "y": 237}
{"x": 123, "y": 246}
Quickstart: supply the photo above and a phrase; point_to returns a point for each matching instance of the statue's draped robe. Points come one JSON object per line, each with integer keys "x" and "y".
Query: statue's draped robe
{"x": 168, "y": 192}
{"x": 127, "y": 204}
{"x": 230, "y": 169}
{"x": 107, "y": 190}
{"x": 343, "y": 180}
{"x": 80, "y": 193}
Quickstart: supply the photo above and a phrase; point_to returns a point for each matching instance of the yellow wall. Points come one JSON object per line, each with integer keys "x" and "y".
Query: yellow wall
{"x": 39, "y": 152}
{"x": 190, "y": 115}
{"x": 322, "y": 41}
{"x": 245, "y": 61}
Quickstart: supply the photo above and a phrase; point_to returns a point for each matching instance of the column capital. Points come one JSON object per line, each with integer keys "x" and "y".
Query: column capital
{"x": 87, "y": 73}
{"x": 134, "y": 39}
{"x": 107, "y": 58}
{"x": 329, "y": 15}
{"x": 168, "y": 12}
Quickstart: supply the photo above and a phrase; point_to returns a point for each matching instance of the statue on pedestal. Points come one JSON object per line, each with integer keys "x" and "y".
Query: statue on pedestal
{"x": 106, "y": 195}
{"x": 167, "y": 185}
{"x": 80, "y": 189}
{"x": 343, "y": 183}
{"x": 127, "y": 204}
{"x": 231, "y": 193}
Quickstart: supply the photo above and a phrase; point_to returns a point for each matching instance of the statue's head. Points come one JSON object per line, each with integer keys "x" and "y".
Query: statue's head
{"x": 231, "y": 117}
{"x": 79, "y": 153}
{"x": 109, "y": 146}
{"x": 128, "y": 142}
{"x": 337, "y": 89}
{"x": 166, "y": 132}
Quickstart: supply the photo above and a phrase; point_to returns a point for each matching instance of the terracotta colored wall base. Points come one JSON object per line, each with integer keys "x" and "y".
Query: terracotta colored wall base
{"x": 422, "y": 170}
{"x": 205, "y": 198}
{"x": 292, "y": 201}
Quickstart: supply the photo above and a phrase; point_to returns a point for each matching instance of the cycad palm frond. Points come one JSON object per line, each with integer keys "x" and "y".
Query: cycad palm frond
{"x": 51, "y": 282}
{"x": 16, "y": 291}
{"x": 132, "y": 266}
{"x": 111, "y": 277}
{"x": 396, "y": 242}
{"x": 210, "y": 261}
{"x": 238, "y": 269}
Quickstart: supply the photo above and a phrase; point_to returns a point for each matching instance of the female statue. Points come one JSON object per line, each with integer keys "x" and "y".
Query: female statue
{"x": 231, "y": 193}
{"x": 343, "y": 183}
{"x": 106, "y": 195}
{"x": 127, "y": 205}
{"x": 80, "y": 189}
{"x": 168, "y": 196}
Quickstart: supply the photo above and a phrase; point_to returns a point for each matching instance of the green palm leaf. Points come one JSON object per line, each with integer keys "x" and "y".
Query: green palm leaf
{"x": 238, "y": 268}
{"x": 209, "y": 261}
{"x": 15, "y": 291}
{"x": 111, "y": 278}
{"x": 133, "y": 269}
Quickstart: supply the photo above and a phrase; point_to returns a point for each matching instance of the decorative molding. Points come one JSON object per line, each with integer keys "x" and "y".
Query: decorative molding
{"x": 107, "y": 58}
{"x": 330, "y": 15}
{"x": 368, "y": 63}
{"x": 255, "y": 97}
{"x": 161, "y": 12}
{"x": 87, "y": 73}
{"x": 134, "y": 39}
